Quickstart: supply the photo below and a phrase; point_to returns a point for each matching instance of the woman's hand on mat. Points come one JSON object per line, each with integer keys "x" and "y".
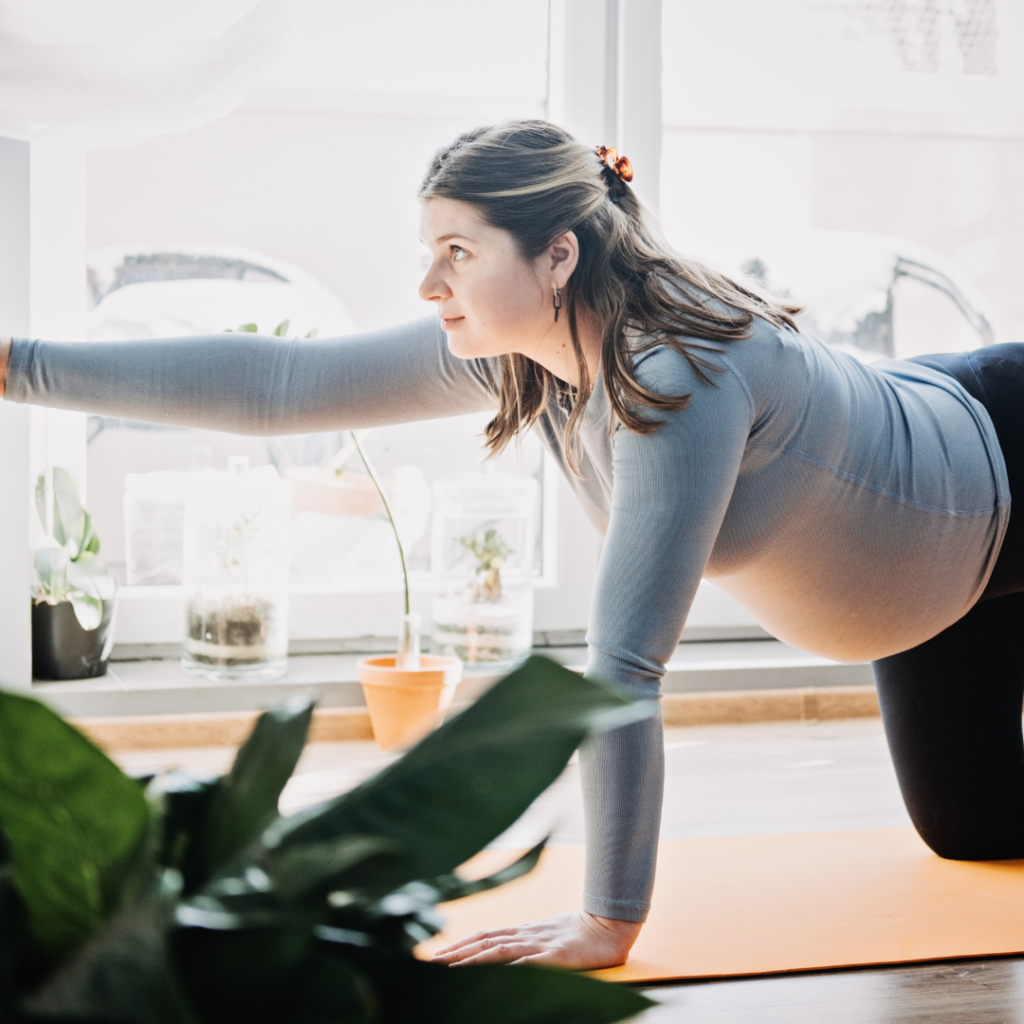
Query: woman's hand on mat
{"x": 575, "y": 942}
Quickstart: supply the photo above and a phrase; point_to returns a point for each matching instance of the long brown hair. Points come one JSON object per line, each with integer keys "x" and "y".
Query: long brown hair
{"x": 534, "y": 180}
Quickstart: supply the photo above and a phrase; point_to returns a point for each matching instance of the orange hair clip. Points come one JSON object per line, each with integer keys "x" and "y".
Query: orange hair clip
{"x": 619, "y": 164}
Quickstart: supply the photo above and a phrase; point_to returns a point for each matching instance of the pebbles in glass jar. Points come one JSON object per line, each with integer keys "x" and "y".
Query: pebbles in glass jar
{"x": 482, "y": 560}
{"x": 236, "y": 574}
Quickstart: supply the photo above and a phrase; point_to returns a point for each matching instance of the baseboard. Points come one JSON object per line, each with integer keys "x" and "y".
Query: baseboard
{"x": 332, "y": 725}
{"x": 737, "y": 707}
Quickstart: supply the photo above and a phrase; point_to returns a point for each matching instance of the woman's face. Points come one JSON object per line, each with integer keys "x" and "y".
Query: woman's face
{"x": 491, "y": 301}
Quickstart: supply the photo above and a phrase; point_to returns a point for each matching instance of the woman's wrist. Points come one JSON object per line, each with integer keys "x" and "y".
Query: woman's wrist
{"x": 622, "y": 933}
{"x": 5, "y": 358}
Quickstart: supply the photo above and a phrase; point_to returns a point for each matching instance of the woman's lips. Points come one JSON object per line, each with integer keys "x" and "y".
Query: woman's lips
{"x": 447, "y": 323}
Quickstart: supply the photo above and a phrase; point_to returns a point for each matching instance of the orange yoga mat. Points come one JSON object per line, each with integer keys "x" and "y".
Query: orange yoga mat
{"x": 767, "y": 904}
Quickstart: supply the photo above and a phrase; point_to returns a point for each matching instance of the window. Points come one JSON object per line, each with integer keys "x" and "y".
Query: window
{"x": 301, "y": 205}
{"x": 858, "y": 156}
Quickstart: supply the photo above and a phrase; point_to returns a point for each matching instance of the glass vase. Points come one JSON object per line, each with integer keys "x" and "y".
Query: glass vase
{"x": 482, "y": 561}
{"x": 235, "y": 570}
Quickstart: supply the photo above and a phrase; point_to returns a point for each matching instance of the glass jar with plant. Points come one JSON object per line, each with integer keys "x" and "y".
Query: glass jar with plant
{"x": 236, "y": 573}
{"x": 482, "y": 560}
{"x": 73, "y": 597}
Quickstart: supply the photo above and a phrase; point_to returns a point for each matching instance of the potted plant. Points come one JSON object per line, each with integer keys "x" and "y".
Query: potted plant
{"x": 406, "y": 692}
{"x": 482, "y": 560}
{"x": 73, "y": 601}
{"x": 182, "y": 900}
{"x": 235, "y": 574}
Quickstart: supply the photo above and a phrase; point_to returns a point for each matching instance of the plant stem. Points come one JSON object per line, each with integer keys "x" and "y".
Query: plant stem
{"x": 387, "y": 508}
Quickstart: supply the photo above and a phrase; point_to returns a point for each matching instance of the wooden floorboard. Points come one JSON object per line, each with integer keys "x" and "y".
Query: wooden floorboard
{"x": 960, "y": 992}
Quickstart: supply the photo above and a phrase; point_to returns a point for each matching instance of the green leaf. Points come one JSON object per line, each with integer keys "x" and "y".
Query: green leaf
{"x": 471, "y": 779}
{"x": 451, "y": 887}
{"x": 92, "y": 577}
{"x": 90, "y": 540}
{"x": 245, "y": 801}
{"x": 41, "y": 498}
{"x": 329, "y": 990}
{"x": 124, "y": 974}
{"x": 185, "y": 802}
{"x": 281, "y": 329}
{"x": 309, "y": 872}
{"x": 69, "y": 518}
{"x": 311, "y": 333}
{"x": 68, "y": 514}
{"x": 22, "y": 962}
{"x": 500, "y": 994}
{"x": 88, "y": 609}
{"x": 51, "y": 564}
{"x": 247, "y": 328}
{"x": 72, "y": 818}
{"x": 240, "y": 975}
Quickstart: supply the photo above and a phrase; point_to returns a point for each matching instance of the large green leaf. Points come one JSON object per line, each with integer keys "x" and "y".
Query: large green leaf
{"x": 500, "y": 994}
{"x": 72, "y": 818}
{"x": 471, "y": 779}
{"x": 184, "y": 800}
{"x": 124, "y": 974}
{"x": 328, "y": 989}
{"x": 241, "y": 974}
{"x": 22, "y": 963}
{"x": 69, "y": 518}
{"x": 245, "y": 801}
{"x": 309, "y": 872}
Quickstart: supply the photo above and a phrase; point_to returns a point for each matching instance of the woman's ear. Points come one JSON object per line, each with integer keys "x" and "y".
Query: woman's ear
{"x": 559, "y": 260}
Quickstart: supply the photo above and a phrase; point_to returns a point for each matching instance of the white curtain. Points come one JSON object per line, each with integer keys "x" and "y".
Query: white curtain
{"x": 114, "y": 72}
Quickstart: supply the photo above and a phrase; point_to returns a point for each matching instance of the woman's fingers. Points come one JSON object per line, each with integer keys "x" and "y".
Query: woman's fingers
{"x": 474, "y": 938}
{"x": 471, "y": 949}
{"x": 499, "y": 953}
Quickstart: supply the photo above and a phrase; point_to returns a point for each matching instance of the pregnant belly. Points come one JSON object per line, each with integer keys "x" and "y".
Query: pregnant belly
{"x": 863, "y": 589}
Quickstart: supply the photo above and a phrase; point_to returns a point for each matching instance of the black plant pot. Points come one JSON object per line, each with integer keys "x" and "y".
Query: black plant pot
{"x": 61, "y": 649}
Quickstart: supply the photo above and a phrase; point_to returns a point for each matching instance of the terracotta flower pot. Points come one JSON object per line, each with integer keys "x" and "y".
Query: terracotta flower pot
{"x": 405, "y": 705}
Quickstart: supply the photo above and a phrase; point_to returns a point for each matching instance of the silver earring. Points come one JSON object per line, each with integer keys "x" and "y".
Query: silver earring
{"x": 556, "y": 302}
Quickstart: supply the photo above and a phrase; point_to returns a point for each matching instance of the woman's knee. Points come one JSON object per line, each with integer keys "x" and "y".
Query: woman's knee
{"x": 969, "y": 835}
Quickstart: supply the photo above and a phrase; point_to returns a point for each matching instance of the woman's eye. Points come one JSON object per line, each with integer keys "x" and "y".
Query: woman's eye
{"x": 458, "y": 253}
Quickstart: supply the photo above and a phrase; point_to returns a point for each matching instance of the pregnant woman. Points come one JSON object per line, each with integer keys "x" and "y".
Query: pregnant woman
{"x": 859, "y": 512}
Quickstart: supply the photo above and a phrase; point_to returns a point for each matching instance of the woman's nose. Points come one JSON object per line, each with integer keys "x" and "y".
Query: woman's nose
{"x": 433, "y": 286}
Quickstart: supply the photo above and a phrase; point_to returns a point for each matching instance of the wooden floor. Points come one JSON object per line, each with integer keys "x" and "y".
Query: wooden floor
{"x": 735, "y": 780}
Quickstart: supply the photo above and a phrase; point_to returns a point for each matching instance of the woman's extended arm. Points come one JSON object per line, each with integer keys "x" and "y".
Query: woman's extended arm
{"x": 251, "y": 384}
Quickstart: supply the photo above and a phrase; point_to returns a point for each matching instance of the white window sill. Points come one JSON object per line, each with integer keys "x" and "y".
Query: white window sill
{"x": 159, "y": 686}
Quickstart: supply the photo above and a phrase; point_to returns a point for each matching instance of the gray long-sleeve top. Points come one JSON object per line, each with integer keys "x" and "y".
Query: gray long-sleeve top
{"x": 855, "y": 510}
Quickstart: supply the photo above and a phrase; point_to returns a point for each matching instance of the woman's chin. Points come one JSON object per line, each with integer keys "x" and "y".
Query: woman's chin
{"x": 461, "y": 345}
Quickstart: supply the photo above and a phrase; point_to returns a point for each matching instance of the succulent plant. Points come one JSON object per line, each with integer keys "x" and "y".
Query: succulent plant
{"x": 66, "y": 558}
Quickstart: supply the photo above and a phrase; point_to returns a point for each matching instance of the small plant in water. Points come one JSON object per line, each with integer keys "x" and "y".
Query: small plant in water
{"x": 408, "y": 654}
{"x": 490, "y": 554}
{"x": 66, "y": 562}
